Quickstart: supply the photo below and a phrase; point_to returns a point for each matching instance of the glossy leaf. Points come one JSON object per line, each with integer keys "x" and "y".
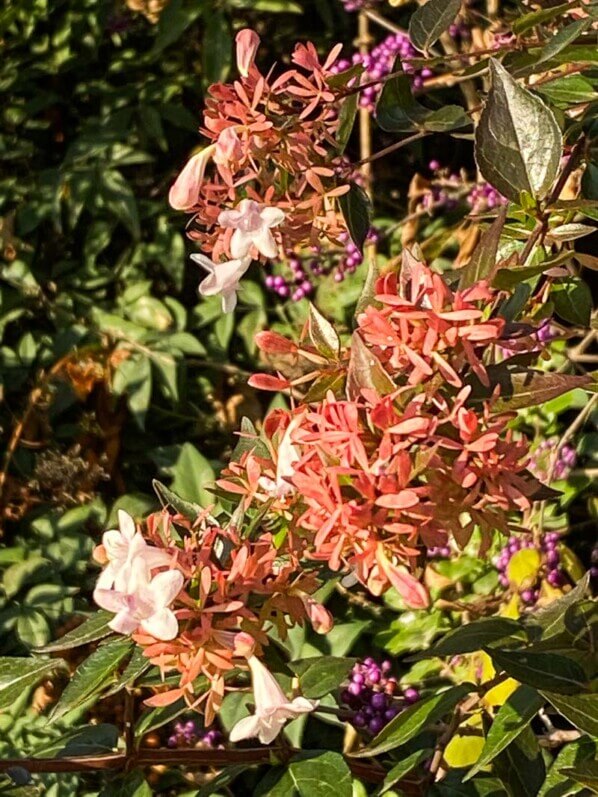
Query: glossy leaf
{"x": 483, "y": 260}
{"x": 580, "y": 710}
{"x": 429, "y": 21}
{"x": 518, "y": 143}
{"x": 19, "y": 674}
{"x": 356, "y": 209}
{"x": 365, "y": 371}
{"x": 322, "y": 334}
{"x": 549, "y": 671}
{"x": 322, "y": 674}
{"x": 321, "y": 774}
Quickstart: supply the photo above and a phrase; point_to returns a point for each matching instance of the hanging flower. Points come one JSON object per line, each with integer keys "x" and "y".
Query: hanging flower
{"x": 185, "y": 190}
{"x": 272, "y": 708}
{"x": 223, "y": 279}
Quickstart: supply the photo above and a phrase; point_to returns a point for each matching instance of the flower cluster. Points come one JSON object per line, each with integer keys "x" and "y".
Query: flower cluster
{"x": 374, "y": 696}
{"x": 270, "y": 177}
{"x": 397, "y": 460}
{"x": 212, "y": 593}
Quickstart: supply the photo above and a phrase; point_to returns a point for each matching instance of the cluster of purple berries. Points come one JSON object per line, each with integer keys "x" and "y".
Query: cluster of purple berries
{"x": 190, "y": 734}
{"x": 305, "y": 271}
{"x": 551, "y": 559}
{"x": 379, "y": 62}
{"x": 438, "y": 552}
{"x": 542, "y": 457}
{"x": 374, "y": 695}
{"x": 484, "y": 197}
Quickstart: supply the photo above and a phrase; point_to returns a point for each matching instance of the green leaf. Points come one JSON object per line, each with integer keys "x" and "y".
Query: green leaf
{"x": 562, "y": 38}
{"x": 550, "y": 671}
{"x": 529, "y": 21}
{"x": 398, "y": 111}
{"x": 33, "y": 628}
{"x": 568, "y": 90}
{"x": 322, "y": 674}
{"x": 322, "y": 334}
{"x": 572, "y": 300}
{"x": 398, "y": 772}
{"x": 365, "y": 371}
{"x": 321, "y": 774}
{"x": 133, "y": 378}
{"x": 580, "y": 710}
{"x": 18, "y": 674}
{"x": 520, "y": 766}
{"x": 429, "y": 21}
{"x": 550, "y": 620}
{"x": 136, "y": 667}
{"x": 346, "y": 120}
{"x": 414, "y": 719}
{"x": 525, "y": 387}
{"x": 174, "y": 19}
{"x": 483, "y": 260}
{"x": 191, "y": 472}
{"x": 518, "y": 143}
{"x": 586, "y": 774}
{"x": 120, "y": 200}
{"x": 473, "y": 636}
{"x": 92, "y": 676}
{"x": 167, "y": 497}
{"x": 512, "y": 717}
{"x": 217, "y": 47}
{"x": 221, "y": 780}
{"x": 88, "y": 740}
{"x": 158, "y": 717}
{"x": 96, "y": 627}
{"x": 559, "y": 785}
{"x": 356, "y": 209}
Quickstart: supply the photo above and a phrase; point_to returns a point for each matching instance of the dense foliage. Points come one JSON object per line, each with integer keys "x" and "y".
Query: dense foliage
{"x": 371, "y": 434}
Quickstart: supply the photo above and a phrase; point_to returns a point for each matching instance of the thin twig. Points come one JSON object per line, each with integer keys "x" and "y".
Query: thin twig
{"x": 393, "y": 147}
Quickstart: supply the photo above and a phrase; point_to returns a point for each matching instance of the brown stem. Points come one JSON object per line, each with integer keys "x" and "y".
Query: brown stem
{"x": 393, "y": 147}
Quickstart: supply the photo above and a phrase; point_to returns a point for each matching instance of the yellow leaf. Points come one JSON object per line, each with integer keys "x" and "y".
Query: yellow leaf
{"x": 511, "y": 609}
{"x": 523, "y": 567}
{"x": 463, "y": 751}
{"x": 499, "y": 694}
{"x": 571, "y": 563}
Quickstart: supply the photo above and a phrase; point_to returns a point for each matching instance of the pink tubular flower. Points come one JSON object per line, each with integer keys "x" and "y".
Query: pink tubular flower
{"x": 184, "y": 192}
{"x": 252, "y": 223}
{"x": 247, "y": 42}
{"x": 121, "y": 548}
{"x": 143, "y": 602}
{"x": 272, "y": 707}
{"x": 223, "y": 279}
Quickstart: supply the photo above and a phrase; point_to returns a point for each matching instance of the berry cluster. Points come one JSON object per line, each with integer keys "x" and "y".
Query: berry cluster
{"x": 438, "y": 552}
{"x": 375, "y": 696}
{"x": 541, "y": 461}
{"x": 306, "y": 270}
{"x": 551, "y": 560}
{"x": 483, "y": 197}
{"x": 380, "y": 62}
{"x": 190, "y": 734}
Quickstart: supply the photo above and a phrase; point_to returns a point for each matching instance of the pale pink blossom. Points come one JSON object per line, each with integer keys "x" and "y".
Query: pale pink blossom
{"x": 318, "y": 615}
{"x": 123, "y": 546}
{"x": 184, "y": 192}
{"x": 223, "y": 279}
{"x": 247, "y": 42}
{"x": 286, "y": 457}
{"x": 272, "y": 708}
{"x": 252, "y": 224}
{"x": 143, "y": 602}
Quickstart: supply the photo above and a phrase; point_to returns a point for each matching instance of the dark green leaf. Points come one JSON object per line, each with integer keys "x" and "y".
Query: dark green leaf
{"x": 529, "y": 21}
{"x": 168, "y": 498}
{"x": 93, "y": 676}
{"x": 356, "y": 208}
{"x": 346, "y": 120}
{"x": 586, "y": 774}
{"x": 562, "y": 38}
{"x": 512, "y": 717}
{"x": 520, "y": 766}
{"x": 411, "y": 721}
{"x": 568, "y": 90}
{"x": 572, "y": 300}
{"x": 559, "y": 785}
{"x": 473, "y": 636}
{"x": 174, "y": 19}
{"x": 549, "y": 671}
{"x": 518, "y": 143}
{"x": 398, "y": 111}
{"x": 483, "y": 260}
{"x": 398, "y": 772}
{"x": 88, "y": 740}
{"x": 580, "y": 710}
{"x": 190, "y": 471}
{"x": 19, "y": 674}
{"x": 322, "y": 674}
{"x": 96, "y": 627}
{"x": 321, "y": 774}
{"x": 217, "y": 47}
{"x": 133, "y": 784}
{"x": 221, "y": 780}
{"x": 429, "y": 21}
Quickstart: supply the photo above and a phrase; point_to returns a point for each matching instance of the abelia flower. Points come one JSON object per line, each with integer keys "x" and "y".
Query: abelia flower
{"x": 123, "y": 547}
{"x": 272, "y": 707}
{"x": 223, "y": 279}
{"x": 143, "y": 602}
{"x": 247, "y": 42}
{"x": 184, "y": 193}
{"x": 252, "y": 226}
